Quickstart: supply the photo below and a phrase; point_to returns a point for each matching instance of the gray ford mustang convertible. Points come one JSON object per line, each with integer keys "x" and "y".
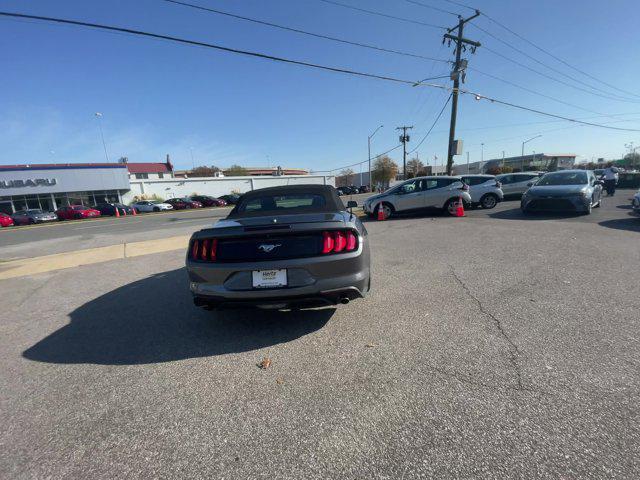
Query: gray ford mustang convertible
{"x": 281, "y": 247}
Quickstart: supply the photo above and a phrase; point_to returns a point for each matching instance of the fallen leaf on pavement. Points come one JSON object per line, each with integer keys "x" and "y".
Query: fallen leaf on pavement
{"x": 370, "y": 345}
{"x": 280, "y": 381}
{"x": 265, "y": 363}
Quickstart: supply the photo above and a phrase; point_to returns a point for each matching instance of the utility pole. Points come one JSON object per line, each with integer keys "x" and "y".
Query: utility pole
{"x": 404, "y": 138}
{"x": 459, "y": 68}
{"x": 467, "y": 163}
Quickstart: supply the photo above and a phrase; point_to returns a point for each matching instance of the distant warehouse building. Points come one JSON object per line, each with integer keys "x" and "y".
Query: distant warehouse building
{"x": 527, "y": 163}
{"x": 50, "y": 186}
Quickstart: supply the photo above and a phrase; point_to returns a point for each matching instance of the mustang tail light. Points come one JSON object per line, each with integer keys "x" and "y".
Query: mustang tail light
{"x": 337, "y": 241}
{"x": 205, "y": 250}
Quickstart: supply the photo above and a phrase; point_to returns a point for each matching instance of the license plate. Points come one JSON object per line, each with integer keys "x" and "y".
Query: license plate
{"x": 269, "y": 278}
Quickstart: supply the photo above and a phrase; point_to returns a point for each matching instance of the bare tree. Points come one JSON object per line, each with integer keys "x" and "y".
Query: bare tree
{"x": 414, "y": 166}
{"x": 346, "y": 177}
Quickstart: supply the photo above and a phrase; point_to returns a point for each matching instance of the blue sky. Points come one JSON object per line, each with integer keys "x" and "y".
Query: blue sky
{"x": 159, "y": 98}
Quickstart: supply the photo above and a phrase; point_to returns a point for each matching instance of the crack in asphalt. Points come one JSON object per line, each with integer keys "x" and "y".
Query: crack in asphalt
{"x": 513, "y": 348}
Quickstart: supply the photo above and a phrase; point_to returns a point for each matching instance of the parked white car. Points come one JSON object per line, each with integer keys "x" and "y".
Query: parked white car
{"x": 635, "y": 203}
{"x": 515, "y": 184}
{"x": 485, "y": 190}
{"x": 419, "y": 194}
{"x": 151, "y": 206}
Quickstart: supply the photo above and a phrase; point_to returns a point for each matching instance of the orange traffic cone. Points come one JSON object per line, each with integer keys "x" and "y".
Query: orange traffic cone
{"x": 381, "y": 213}
{"x": 133, "y": 211}
{"x": 460, "y": 208}
{"x": 124, "y": 212}
{"x": 117, "y": 212}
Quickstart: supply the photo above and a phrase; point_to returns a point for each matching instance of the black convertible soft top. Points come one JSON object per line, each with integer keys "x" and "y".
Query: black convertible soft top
{"x": 289, "y": 199}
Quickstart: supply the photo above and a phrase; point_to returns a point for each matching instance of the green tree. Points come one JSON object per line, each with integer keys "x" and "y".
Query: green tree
{"x": 384, "y": 170}
{"x": 236, "y": 171}
{"x": 204, "y": 171}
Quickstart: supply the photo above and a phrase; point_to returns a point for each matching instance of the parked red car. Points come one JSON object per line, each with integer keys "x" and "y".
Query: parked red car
{"x": 208, "y": 201}
{"x": 5, "y": 220}
{"x": 76, "y": 212}
{"x": 182, "y": 203}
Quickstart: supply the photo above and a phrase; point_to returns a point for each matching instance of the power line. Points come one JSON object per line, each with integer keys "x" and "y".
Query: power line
{"x": 303, "y": 32}
{"x": 364, "y": 161}
{"x": 508, "y": 82}
{"x": 522, "y": 52}
{"x": 433, "y": 125}
{"x": 213, "y": 46}
{"x": 537, "y": 72}
{"x": 437, "y": 9}
{"x": 556, "y": 57}
{"x": 459, "y": 4}
{"x": 295, "y": 62}
{"x": 520, "y": 107}
{"x": 380, "y": 14}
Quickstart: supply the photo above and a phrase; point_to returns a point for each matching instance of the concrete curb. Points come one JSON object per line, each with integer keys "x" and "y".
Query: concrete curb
{"x": 59, "y": 261}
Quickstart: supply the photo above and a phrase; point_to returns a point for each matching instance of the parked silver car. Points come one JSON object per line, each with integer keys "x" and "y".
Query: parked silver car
{"x": 515, "y": 184}
{"x": 33, "y": 215}
{"x": 418, "y": 194}
{"x": 485, "y": 190}
{"x": 635, "y": 202}
{"x": 281, "y": 247}
{"x": 567, "y": 190}
{"x": 151, "y": 206}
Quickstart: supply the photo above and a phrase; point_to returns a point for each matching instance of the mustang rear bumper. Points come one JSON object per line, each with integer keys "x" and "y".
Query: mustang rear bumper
{"x": 312, "y": 281}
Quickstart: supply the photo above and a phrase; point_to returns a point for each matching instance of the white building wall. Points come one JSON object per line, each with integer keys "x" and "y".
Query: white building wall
{"x": 184, "y": 187}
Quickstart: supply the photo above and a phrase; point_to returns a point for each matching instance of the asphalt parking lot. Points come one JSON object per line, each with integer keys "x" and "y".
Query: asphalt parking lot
{"x": 491, "y": 346}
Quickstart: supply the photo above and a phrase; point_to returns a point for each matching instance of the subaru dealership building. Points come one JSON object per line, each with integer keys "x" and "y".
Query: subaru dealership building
{"x": 51, "y": 186}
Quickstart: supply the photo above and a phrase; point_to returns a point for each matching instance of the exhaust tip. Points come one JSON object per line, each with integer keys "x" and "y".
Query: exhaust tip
{"x": 344, "y": 300}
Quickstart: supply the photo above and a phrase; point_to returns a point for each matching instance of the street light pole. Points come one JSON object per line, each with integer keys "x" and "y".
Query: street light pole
{"x": 369, "y": 147}
{"x": 104, "y": 145}
{"x": 522, "y": 153}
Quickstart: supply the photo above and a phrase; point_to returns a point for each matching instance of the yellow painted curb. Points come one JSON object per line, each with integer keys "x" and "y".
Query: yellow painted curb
{"x": 49, "y": 263}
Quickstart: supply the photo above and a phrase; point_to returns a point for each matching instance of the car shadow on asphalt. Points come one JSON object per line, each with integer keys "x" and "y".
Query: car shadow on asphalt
{"x": 154, "y": 320}
{"x": 516, "y": 214}
{"x": 632, "y": 223}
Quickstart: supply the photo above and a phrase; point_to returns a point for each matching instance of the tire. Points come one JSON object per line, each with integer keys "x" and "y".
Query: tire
{"x": 77, "y": 216}
{"x": 156, "y": 209}
{"x": 449, "y": 207}
{"x": 588, "y": 210}
{"x": 489, "y": 201}
{"x": 387, "y": 209}
{"x": 31, "y": 221}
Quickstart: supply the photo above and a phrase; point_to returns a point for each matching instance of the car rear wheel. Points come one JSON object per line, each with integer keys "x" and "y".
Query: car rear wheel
{"x": 156, "y": 209}
{"x": 489, "y": 201}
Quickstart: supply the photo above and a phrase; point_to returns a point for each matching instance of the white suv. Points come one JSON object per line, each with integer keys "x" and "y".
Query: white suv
{"x": 484, "y": 190}
{"x": 419, "y": 194}
{"x": 517, "y": 183}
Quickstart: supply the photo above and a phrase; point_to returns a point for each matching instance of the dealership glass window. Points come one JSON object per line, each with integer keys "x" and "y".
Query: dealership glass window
{"x": 32, "y": 201}
{"x": 61, "y": 200}
{"x": 160, "y": 175}
{"x": 19, "y": 203}
{"x": 45, "y": 202}
{"x": 112, "y": 196}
